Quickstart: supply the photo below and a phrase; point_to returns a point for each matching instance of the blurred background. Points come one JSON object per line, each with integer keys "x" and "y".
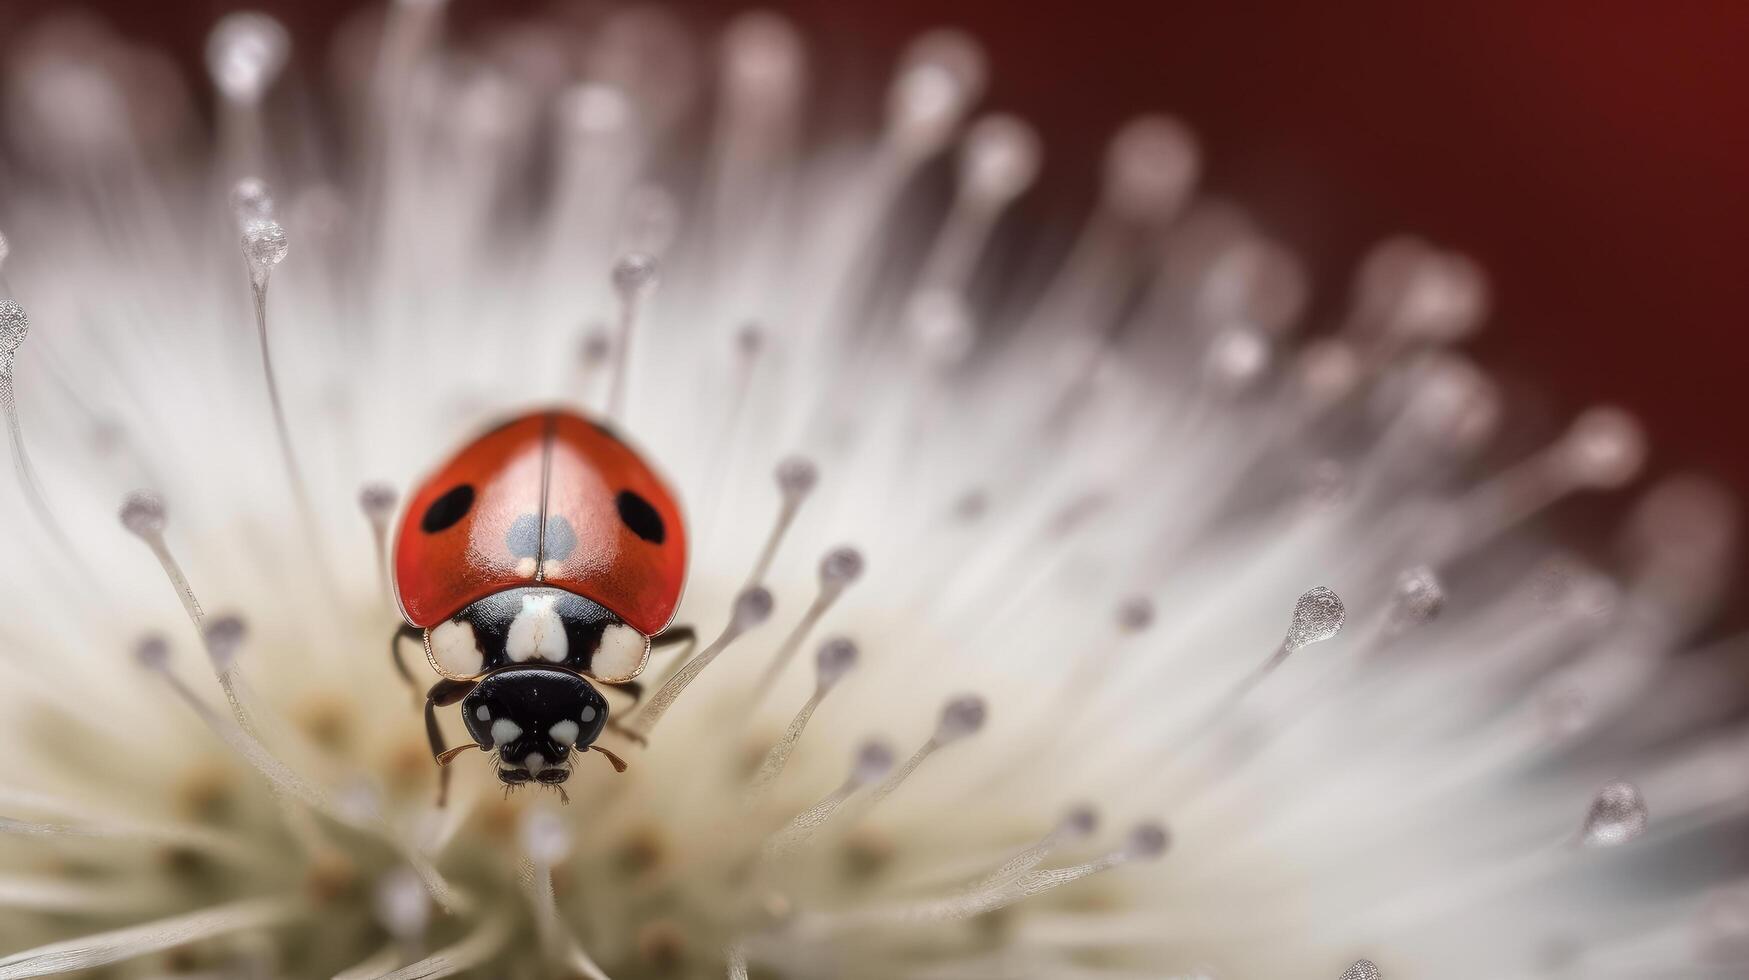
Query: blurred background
{"x": 1594, "y": 157}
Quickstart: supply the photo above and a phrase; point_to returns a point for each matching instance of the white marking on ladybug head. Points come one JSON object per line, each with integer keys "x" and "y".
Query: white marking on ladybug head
{"x": 566, "y": 732}
{"x": 534, "y": 762}
{"x": 588, "y": 713}
{"x": 505, "y": 731}
{"x": 621, "y": 655}
{"x": 455, "y": 652}
{"x": 537, "y": 632}
{"x": 483, "y": 713}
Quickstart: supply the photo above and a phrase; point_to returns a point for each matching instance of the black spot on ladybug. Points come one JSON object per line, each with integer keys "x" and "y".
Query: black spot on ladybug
{"x": 446, "y": 510}
{"x": 638, "y": 515}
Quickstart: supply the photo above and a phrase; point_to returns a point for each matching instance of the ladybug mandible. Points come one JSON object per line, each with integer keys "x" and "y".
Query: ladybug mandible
{"x": 544, "y": 555}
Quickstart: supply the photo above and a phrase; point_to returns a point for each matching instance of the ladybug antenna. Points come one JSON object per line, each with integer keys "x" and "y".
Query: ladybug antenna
{"x": 634, "y": 275}
{"x": 447, "y": 756}
{"x": 619, "y": 764}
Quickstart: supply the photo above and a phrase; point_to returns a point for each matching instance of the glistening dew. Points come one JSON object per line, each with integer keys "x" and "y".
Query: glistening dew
{"x": 1110, "y": 620}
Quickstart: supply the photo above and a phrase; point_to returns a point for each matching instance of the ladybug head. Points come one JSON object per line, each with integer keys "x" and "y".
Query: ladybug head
{"x": 534, "y": 717}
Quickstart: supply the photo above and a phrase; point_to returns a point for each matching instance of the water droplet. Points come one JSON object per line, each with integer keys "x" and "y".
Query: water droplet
{"x": 960, "y": 717}
{"x": 1362, "y": 970}
{"x": 840, "y": 567}
{"x": 1318, "y": 616}
{"x": 1617, "y": 815}
{"x": 264, "y": 246}
{"x": 245, "y": 53}
{"x": 14, "y": 327}
{"x": 837, "y": 657}
{"x": 143, "y": 513}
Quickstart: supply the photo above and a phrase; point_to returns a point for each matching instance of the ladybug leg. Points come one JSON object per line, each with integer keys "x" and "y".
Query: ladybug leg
{"x": 443, "y": 694}
{"x": 405, "y": 632}
{"x": 675, "y": 636}
{"x": 636, "y": 690}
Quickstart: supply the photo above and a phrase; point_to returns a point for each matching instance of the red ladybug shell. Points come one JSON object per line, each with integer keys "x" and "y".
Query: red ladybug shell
{"x": 548, "y": 497}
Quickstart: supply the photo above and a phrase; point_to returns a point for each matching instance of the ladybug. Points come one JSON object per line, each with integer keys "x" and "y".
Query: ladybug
{"x": 543, "y": 559}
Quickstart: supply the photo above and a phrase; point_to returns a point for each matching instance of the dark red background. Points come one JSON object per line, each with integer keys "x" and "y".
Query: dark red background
{"x": 1593, "y": 154}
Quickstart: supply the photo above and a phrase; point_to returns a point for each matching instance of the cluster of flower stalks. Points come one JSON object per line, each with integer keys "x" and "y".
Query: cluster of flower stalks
{"x": 1072, "y": 604}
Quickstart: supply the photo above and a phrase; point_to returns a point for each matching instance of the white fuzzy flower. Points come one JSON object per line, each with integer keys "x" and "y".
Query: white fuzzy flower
{"x": 1081, "y": 622}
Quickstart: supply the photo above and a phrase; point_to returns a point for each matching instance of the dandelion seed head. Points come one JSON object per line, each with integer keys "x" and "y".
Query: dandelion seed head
{"x": 1083, "y": 496}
